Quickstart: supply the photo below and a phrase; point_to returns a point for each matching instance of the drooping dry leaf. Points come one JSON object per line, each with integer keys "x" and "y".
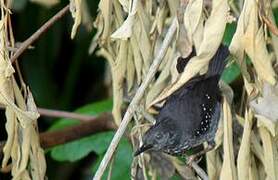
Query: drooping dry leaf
{"x": 138, "y": 59}
{"x": 213, "y": 33}
{"x": 75, "y": 9}
{"x": 213, "y": 164}
{"x": 23, "y": 140}
{"x": 253, "y": 170}
{"x": 193, "y": 19}
{"x": 125, "y": 30}
{"x": 118, "y": 73}
{"x": 163, "y": 78}
{"x": 249, "y": 37}
{"x": 160, "y": 17}
{"x": 244, "y": 155}
{"x": 130, "y": 70}
{"x": 105, "y": 15}
{"x": 228, "y": 170}
{"x": 270, "y": 154}
{"x": 237, "y": 47}
{"x": 173, "y": 6}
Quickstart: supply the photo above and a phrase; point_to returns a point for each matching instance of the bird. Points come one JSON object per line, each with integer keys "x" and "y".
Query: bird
{"x": 191, "y": 114}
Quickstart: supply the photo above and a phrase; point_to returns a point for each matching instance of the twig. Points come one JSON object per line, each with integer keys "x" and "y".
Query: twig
{"x": 132, "y": 106}
{"x": 103, "y": 122}
{"x": 199, "y": 171}
{"x": 64, "y": 114}
{"x": 39, "y": 32}
{"x": 53, "y": 138}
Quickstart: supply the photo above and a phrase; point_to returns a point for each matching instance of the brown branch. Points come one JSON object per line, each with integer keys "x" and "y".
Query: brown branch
{"x": 102, "y": 123}
{"x": 39, "y": 32}
{"x": 53, "y": 138}
{"x": 64, "y": 114}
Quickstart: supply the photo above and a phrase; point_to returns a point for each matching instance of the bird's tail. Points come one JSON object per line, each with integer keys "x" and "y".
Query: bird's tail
{"x": 218, "y": 62}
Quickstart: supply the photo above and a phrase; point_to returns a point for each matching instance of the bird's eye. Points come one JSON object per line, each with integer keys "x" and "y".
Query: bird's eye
{"x": 158, "y": 135}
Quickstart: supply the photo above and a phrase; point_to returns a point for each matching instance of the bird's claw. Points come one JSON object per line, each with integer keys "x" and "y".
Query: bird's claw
{"x": 193, "y": 158}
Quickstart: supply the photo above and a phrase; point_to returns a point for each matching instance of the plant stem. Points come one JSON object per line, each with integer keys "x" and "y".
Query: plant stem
{"x": 39, "y": 32}
{"x": 135, "y": 101}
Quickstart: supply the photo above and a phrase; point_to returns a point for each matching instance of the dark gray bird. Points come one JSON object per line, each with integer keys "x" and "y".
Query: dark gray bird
{"x": 190, "y": 115}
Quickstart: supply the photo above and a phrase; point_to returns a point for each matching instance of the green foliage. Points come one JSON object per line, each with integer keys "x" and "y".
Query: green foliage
{"x": 229, "y": 33}
{"x": 121, "y": 164}
{"x": 231, "y": 73}
{"x": 97, "y": 143}
{"x": 93, "y": 109}
{"x": 176, "y": 177}
{"x": 78, "y": 149}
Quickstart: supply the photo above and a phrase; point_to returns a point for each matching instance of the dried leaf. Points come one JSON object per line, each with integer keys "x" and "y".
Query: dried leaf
{"x": 193, "y": 18}
{"x": 237, "y": 47}
{"x": 228, "y": 170}
{"x": 75, "y": 9}
{"x": 163, "y": 78}
{"x": 270, "y": 154}
{"x": 244, "y": 155}
{"x": 130, "y": 69}
{"x": 105, "y": 10}
{"x": 138, "y": 60}
{"x": 213, "y": 164}
{"x": 213, "y": 33}
{"x": 125, "y": 30}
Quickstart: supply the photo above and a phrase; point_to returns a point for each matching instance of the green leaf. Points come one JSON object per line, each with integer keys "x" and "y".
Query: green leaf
{"x": 98, "y": 143}
{"x": 229, "y": 33}
{"x": 275, "y": 13}
{"x": 230, "y": 73}
{"x": 93, "y": 109}
{"x": 78, "y": 149}
{"x": 176, "y": 177}
{"x": 122, "y": 162}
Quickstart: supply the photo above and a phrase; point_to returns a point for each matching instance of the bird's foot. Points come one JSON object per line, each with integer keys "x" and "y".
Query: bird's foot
{"x": 193, "y": 157}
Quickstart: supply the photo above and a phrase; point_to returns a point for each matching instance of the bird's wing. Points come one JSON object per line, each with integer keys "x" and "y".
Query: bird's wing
{"x": 192, "y": 106}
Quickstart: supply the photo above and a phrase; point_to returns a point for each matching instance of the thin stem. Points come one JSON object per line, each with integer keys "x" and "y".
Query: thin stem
{"x": 199, "y": 171}
{"x": 135, "y": 101}
{"x": 39, "y": 32}
{"x": 64, "y": 114}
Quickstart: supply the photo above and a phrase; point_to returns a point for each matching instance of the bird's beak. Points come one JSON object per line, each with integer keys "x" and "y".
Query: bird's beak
{"x": 142, "y": 149}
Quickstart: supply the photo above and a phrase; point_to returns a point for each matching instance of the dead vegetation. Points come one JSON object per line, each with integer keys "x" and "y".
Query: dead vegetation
{"x": 141, "y": 41}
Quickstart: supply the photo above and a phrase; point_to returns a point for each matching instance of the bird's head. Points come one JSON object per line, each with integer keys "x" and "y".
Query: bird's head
{"x": 158, "y": 137}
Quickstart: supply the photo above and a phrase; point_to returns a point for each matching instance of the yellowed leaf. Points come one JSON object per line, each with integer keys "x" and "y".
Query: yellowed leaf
{"x": 244, "y": 155}
{"x": 75, "y": 9}
{"x": 213, "y": 33}
{"x": 270, "y": 154}
{"x": 228, "y": 170}
{"x": 193, "y": 17}
{"x": 125, "y": 30}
